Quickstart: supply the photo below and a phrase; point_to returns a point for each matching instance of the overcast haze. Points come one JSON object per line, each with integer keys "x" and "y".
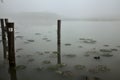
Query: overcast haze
{"x": 70, "y": 8}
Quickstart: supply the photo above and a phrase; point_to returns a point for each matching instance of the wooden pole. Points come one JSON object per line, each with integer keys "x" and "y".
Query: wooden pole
{"x": 6, "y": 21}
{"x": 11, "y": 48}
{"x": 13, "y": 75}
{"x": 3, "y": 38}
{"x": 59, "y": 41}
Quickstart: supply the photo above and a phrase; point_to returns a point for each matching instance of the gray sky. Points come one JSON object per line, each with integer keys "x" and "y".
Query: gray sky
{"x": 71, "y": 8}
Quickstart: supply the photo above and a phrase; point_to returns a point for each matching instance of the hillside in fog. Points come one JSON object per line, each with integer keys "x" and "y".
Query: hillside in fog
{"x": 32, "y": 18}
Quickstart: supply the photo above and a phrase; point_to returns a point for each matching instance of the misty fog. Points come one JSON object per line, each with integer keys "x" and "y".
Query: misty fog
{"x": 65, "y": 8}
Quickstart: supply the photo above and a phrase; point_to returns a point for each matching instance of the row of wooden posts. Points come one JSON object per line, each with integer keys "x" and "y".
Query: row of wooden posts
{"x": 7, "y": 29}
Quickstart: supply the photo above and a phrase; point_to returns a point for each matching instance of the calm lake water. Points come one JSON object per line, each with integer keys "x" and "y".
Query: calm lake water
{"x": 81, "y": 43}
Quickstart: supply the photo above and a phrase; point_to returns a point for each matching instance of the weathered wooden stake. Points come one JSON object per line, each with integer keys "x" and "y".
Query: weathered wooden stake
{"x": 13, "y": 75}
{"x": 11, "y": 48}
{"x": 6, "y": 21}
{"x": 4, "y": 38}
{"x": 59, "y": 41}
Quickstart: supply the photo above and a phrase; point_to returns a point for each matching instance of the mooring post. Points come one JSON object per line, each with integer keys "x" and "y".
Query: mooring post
{"x": 3, "y": 38}
{"x": 11, "y": 44}
{"x": 12, "y": 71}
{"x": 59, "y": 41}
{"x": 6, "y": 21}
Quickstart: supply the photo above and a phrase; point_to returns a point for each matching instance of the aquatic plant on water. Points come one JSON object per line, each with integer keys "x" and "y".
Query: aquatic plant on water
{"x": 86, "y": 54}
{"x": 39, "y": 68}
{"x": 29, "y": 55}
{"x": 31, "y": 60}
{"x": 79, "y": 67}
{"x": 118, "y": 46}
{"x": 48, "y": 40}
{"x": 18, "y": 56}
{"x": 46, "y": 62}
{"x": 26, "y": 42}
{"x": 105, "y": 50}
{"x": 107, "y": 54}
{"x": 19, "y": 49}
{"x": 45, "y": 38}
{"x": 20, "y": 67}
{"x": 99, "y": 69}
{"x": 70, "y": 55}
{"x": 55, "y": 52}
{"x": 106, "y": 45}
{"x": 31, "y": 40}
{"x": 53, "y": 68}
{"x": 39, "y": 53}
{"x": 46, "y": 52}
{"x": 80, "y": 47}
{"x": 113, "y": 49}
{"x": 61, "y": 65}
{"x": 37, "y": 33}
{"x": 90, "y": 41}
{"x": 67, "y": 74}
{"x": 53, "y": 55}
{"x": 56, "y": 67}
{"x": 67, "y": 44}
{"x": 21, "y": 37}
{"x": 82, "y": 39}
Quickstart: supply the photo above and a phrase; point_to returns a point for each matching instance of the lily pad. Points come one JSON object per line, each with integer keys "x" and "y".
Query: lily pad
{"x": 48, "y": 40}
{"x": 40, "y": 53}
{"x": 105, "y": 50}
{"x": 82, "y": 39}
{"x": 45, "y": 38}
{"x": 79, "y": 67}
{"x": 86, "y": 54}
{"x": 53, "y": 68}
{"x": 107, "y": 55}
{"x": 47, "y": 52}
{"x": 56, "y": 67}
{"x": 26, "y": 42}
{"x": 68, "y": 44}
{"x": 70, "y": 55}
{"x": 18, "y": 56}
{"x": 80, "y": 47}
{"x": 21, "y": 37}
{"x": 29, "y": 55}
{"x": 19, "y": 49}
{"x": 46, "y": 62}
{"x": 118, "y": 46}
{"x": 100, "y": 68}
{"x": 114, "y": 49}
{"x": 106, "y": 45}
{"x": 30, "y": 60}
{"x": 67, "y": 74}
{"x": 89, "y": 41}
{"x": 55, "y": 52}
{"x": 39, "y": 68}
{"x": 20, "y": 67}
{"x": 37, "y": 33}
{"x": 31, "y": 40}
{"x": 61, "y": 65}
{"x": 53, "y": 55}
{"x": 59, "y": 72}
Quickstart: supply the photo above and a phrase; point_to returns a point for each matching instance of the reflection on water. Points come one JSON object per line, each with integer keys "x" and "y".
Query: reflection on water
{"x": 82, "y": 43}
